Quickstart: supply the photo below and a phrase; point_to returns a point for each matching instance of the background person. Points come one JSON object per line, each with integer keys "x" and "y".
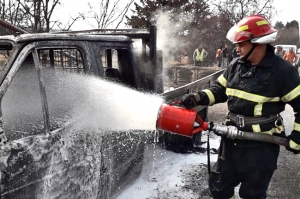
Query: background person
{"x": 199, "y": 55}
{"x": 254, "y": 95}
{"x": 219, "y": 56}
{"x": 225, "y": 55}
{"x": 290, "y": 56}
{"x": 279, "y": 51}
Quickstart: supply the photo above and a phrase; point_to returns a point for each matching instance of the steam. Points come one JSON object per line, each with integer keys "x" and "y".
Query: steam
{"x": 167, "y": 33}
{"x": 168, "y": 39}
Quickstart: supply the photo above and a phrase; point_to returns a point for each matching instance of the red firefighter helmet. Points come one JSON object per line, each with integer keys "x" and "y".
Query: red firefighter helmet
{"x": 255, "y": 28}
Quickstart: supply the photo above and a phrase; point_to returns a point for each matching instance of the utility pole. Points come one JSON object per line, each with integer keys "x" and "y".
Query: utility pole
{"x": 37, "y": 15}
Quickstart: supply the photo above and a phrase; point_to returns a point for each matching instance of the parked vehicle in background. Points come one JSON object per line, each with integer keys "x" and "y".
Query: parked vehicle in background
{"x": 286, "y": 49}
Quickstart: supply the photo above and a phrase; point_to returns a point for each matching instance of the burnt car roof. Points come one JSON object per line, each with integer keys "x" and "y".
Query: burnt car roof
{"x": 67, "y": 36}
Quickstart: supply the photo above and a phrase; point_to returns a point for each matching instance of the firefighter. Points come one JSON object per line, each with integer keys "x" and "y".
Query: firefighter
{"x": 256, "y": 87}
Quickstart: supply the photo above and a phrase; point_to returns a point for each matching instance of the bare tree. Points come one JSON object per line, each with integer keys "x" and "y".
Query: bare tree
{"x": 229, "y": 12}
{"x": 11, "y": 11}
{"x": 109, "y": 12}
{"x": 233, "y": 11}
{"x": 71, "y": 22}
{"x": 38, "y": 14}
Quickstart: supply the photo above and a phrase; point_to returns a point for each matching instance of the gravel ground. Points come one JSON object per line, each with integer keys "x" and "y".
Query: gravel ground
{"x": 217, "y": 113}
{"x": 285, "y": 183}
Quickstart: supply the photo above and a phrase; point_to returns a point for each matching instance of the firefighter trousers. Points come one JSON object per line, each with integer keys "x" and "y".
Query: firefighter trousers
{"x": 251, "y": 166}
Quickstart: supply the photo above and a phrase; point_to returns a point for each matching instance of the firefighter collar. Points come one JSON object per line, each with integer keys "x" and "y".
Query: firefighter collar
{"x": 267, "y": 61}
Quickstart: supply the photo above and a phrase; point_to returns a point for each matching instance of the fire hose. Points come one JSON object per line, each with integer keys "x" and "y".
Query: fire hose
{"x": 186, "y": 122}
{"x": 182, "y": 121}
{"x": 232, "y": 132}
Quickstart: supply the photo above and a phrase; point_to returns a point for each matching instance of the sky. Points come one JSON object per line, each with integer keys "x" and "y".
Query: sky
{"x": 70, "y": 9}
{"x": 286, "y": 12}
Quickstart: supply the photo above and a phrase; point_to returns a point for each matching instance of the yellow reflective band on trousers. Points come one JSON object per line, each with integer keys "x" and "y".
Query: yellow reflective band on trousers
{"x": 211, "y": 97}
{"x": 291, "y": 95}
{"x": 297, "y": 127}
{"x": 250, "y": 96}
{"x": 221, "y": 79}
{"x": 199, "y": 56}
{"x": 294, "y": 145}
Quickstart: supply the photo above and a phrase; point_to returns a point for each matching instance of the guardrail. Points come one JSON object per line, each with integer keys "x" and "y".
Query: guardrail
{"x": 191, "y": 87}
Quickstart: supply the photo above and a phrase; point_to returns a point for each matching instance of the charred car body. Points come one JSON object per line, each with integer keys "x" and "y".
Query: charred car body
{"x": 43, "y": 153}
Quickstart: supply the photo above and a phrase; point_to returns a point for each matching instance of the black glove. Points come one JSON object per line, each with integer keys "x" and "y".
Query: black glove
{"x": 288, "y": 147}
{"x": 190, "y": 100}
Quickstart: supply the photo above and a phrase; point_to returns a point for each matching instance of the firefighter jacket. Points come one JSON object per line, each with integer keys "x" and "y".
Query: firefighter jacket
{"x": 258, "y": 91}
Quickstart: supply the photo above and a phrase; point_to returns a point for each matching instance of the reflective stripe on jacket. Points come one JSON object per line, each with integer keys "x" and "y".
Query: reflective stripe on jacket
{"x": 261, "y": 90}
{"x": 199, "y": 56}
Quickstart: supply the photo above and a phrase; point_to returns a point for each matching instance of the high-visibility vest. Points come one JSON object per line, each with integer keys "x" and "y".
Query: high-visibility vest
{"x": 199, "y": 56}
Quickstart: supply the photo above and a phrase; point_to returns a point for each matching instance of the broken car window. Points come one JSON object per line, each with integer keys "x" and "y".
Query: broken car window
{"x": 118, "y": 65}
{"x": 21, "y": 105}
{"x": 59, "y": 67}
{"x": 67, "y": 59}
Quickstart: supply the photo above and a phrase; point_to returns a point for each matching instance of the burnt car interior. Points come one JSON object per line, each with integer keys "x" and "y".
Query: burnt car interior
{"x": 118, "y": 66}
{"x": 69, "y": 59}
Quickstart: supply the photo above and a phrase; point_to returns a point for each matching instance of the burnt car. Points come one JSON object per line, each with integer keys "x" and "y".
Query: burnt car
{"x": 52, "y": 143}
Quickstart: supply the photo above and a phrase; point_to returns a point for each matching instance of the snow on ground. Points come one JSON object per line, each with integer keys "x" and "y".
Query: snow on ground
{"x": 162, "y": 172}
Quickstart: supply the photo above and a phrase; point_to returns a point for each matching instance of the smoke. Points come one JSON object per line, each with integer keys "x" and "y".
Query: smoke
{"x": 168, "y": 38}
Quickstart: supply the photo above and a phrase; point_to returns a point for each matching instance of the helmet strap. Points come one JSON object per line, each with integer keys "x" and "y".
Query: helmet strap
{"x": 250, "y": 52}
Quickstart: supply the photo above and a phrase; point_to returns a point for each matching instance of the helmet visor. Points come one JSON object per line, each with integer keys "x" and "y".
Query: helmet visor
{"x": 267, "y": 39}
